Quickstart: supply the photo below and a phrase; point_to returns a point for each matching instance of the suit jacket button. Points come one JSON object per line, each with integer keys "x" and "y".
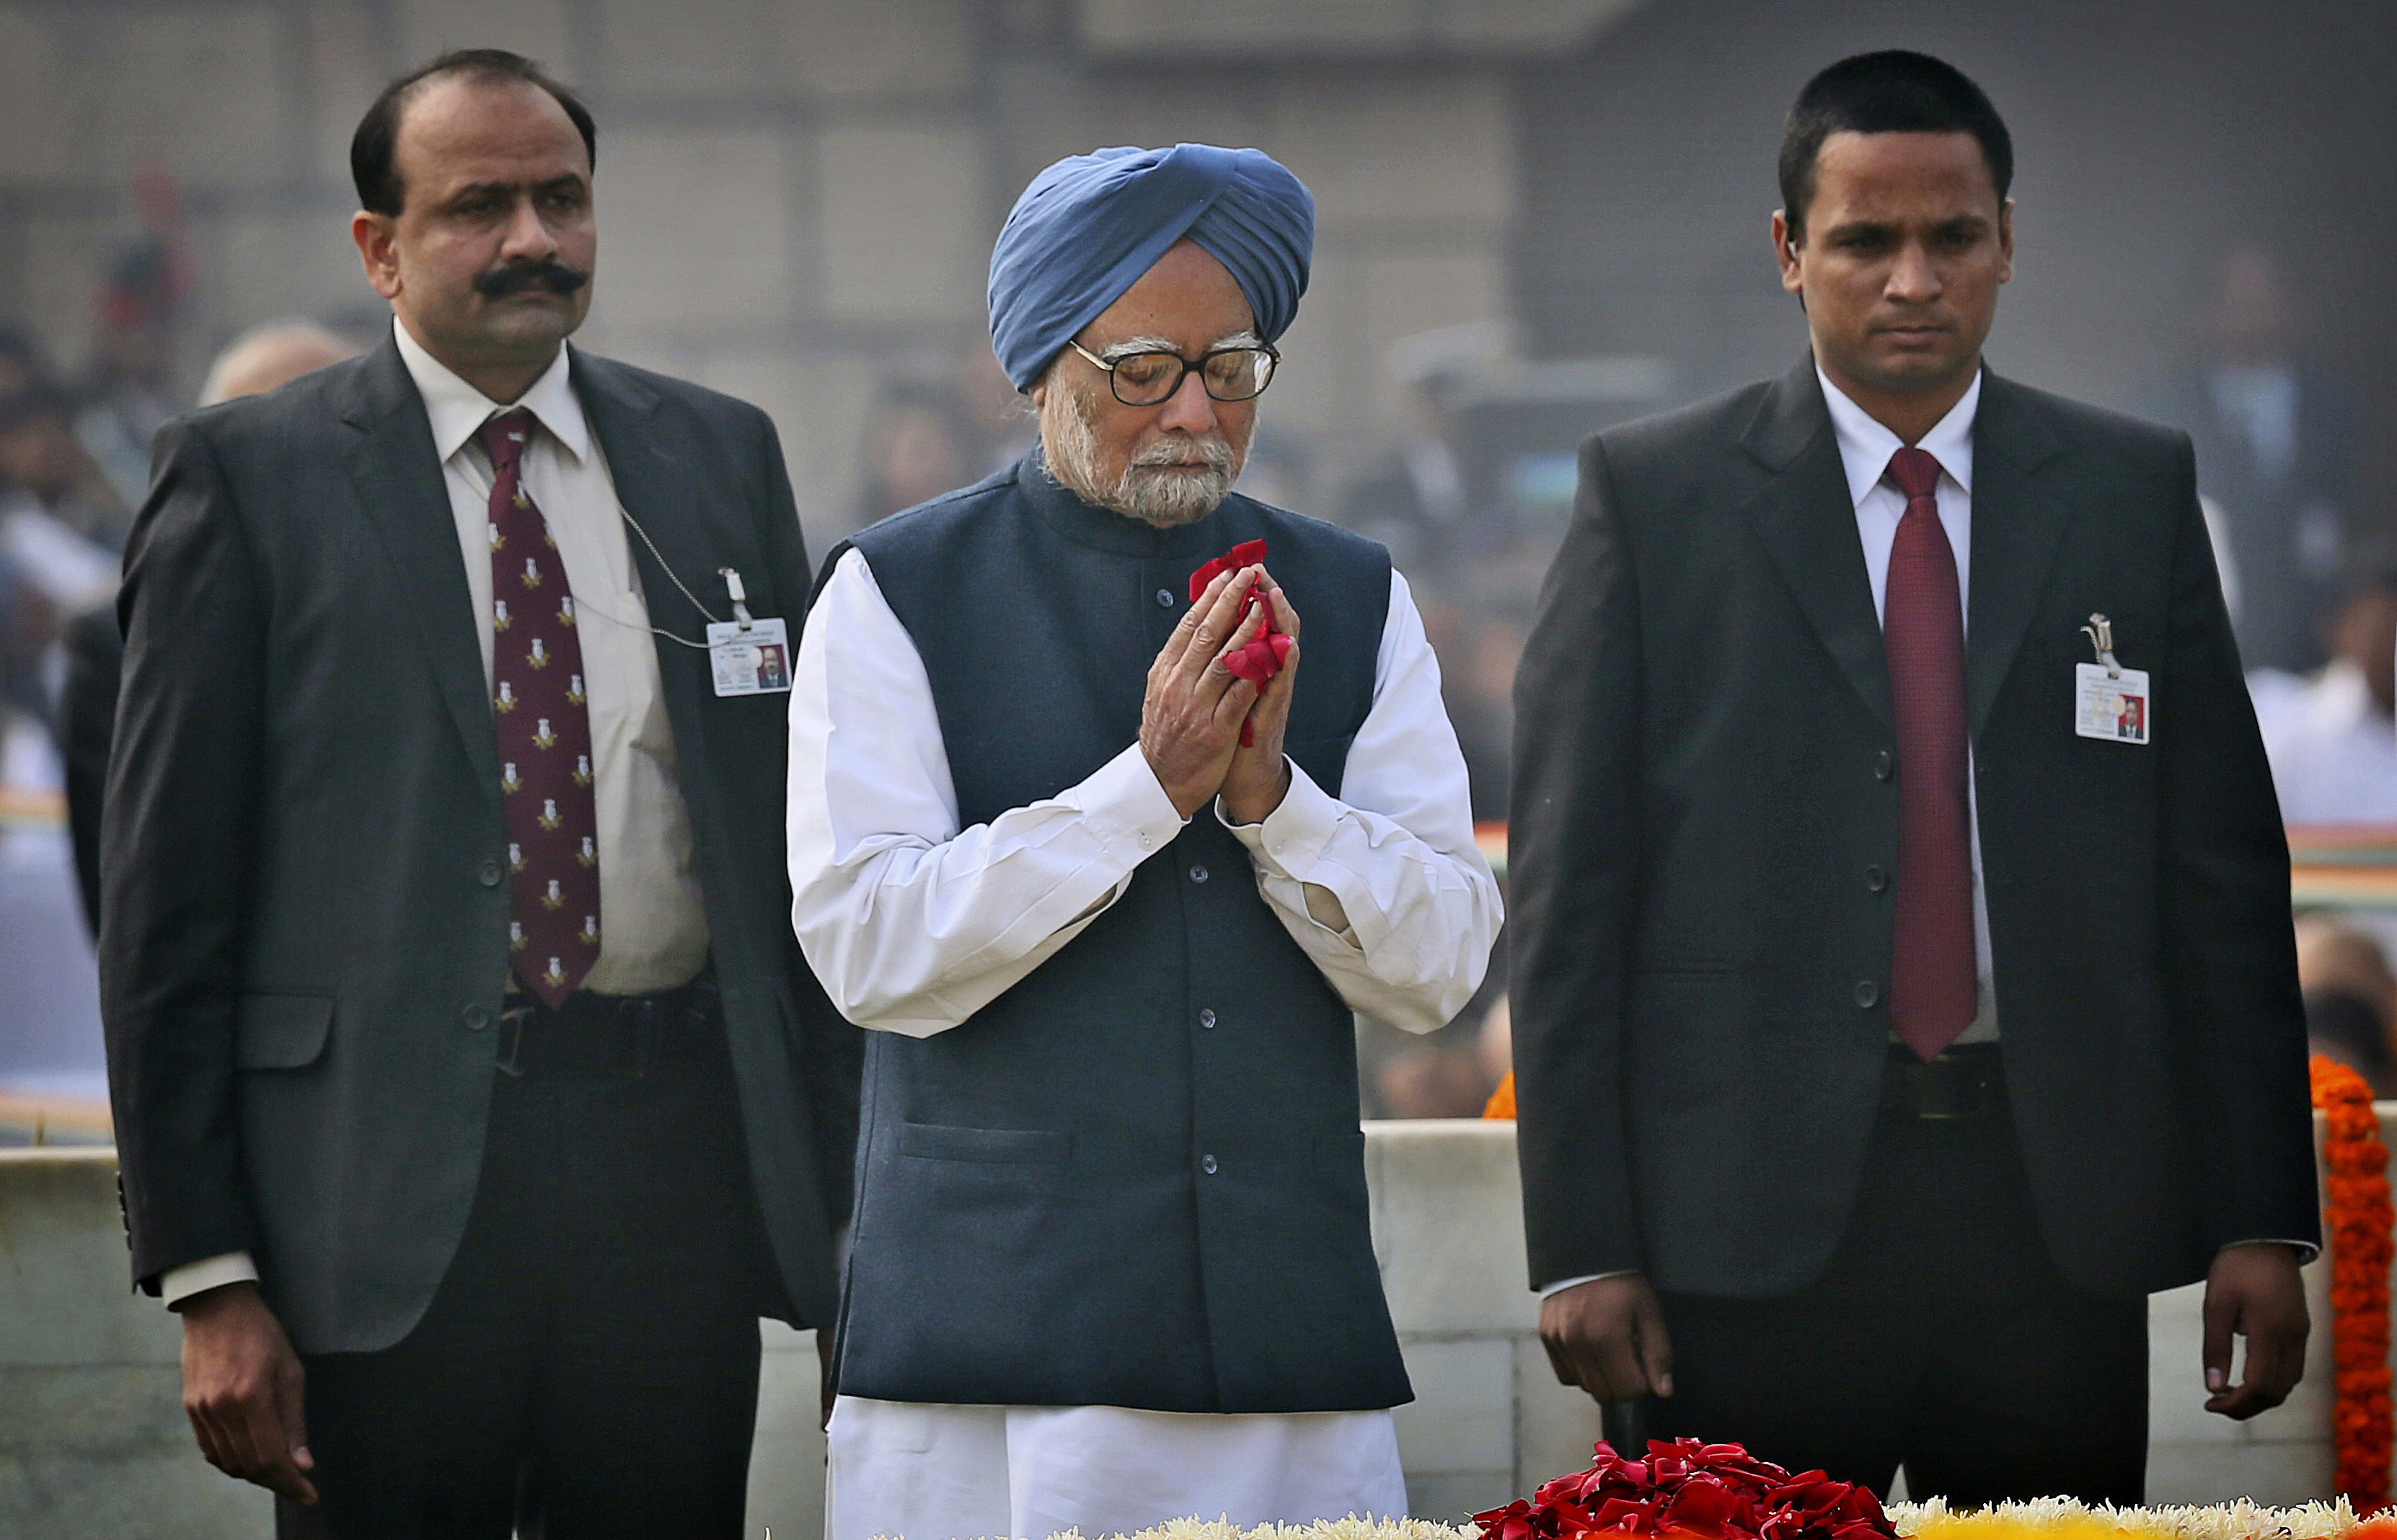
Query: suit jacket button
{"x": 1868, "y": 993}
{"x": 1206, "y": 1164}
{"x": 1875, "y": 879}
{"x": 488, "y": 873}
{"x": 1883, "y": 765}
{"x": 476, "y": 1017}
{"x": 1165, "y": 599}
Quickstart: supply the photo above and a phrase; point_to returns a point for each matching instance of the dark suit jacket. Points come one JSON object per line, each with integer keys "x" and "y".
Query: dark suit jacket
{"x": 303, "y": 937}
{"x": 1706, "y": 798}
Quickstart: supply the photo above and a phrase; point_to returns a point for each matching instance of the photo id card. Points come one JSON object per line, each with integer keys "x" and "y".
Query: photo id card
{"x": 2111, "y": 706}
{"x": 756, "y": 661}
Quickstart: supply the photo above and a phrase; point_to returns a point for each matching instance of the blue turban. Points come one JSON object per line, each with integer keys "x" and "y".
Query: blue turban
{"x": 1089, "y": 227}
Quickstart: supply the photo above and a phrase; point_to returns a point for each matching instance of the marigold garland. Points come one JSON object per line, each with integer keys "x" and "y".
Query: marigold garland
{"x": 2358, "y": 1222}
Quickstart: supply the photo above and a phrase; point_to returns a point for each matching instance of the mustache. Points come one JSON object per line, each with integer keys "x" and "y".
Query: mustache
{"x": 1211, "y": 453}
{"x": 523, "y": 277}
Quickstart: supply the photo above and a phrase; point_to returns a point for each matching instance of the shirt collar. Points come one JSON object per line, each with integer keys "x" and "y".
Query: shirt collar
{"x": 1866, "y": 445}
{"x": 459, "y": 410}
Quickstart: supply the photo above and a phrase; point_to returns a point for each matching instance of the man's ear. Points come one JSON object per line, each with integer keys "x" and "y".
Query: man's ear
{"x": 2006, "y": 240}
{"x": 378, "y": 241}
{"x": 1787, "y": 251}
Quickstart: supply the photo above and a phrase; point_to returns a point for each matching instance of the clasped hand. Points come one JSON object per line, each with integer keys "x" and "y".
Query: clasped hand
{"x": 1190, "y": 720}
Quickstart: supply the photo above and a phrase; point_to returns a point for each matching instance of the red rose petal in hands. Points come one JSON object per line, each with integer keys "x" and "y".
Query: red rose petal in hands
{"x": 1262, "y": 656}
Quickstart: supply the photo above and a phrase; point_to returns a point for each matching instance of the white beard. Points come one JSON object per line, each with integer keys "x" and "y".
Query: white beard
{"x": 1147, "y": 491}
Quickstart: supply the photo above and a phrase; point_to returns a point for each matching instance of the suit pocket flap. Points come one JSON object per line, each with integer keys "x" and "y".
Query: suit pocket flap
{"x": 281, "y": 1031}
{"x": 1017, "y": 1147}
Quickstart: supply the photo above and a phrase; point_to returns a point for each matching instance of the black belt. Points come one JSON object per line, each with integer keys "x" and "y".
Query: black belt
{"x": 1965, "y": 1081}
{"x": 614, "y": 1036}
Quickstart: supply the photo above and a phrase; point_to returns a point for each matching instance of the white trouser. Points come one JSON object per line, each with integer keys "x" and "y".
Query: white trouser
{"x": 935, "y": 1472}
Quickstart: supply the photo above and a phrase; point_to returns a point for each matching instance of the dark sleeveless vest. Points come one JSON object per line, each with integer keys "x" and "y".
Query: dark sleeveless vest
{"x": 1136, "y": 1178}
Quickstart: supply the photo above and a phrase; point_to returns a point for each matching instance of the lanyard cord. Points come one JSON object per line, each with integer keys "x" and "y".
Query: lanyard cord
{"x": 660, "y": 557}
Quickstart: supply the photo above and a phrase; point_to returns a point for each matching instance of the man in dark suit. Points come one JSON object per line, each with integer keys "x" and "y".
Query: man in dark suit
{"x": 472, "y": 1097}
{"x": 1887, "y": 1024}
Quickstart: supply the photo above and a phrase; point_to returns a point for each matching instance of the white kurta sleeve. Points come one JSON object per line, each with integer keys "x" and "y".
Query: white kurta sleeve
{"x": 1384, "y": 886}
{"x": 912, "y": 923}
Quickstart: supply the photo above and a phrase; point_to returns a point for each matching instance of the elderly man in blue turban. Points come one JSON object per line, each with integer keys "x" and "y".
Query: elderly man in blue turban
{"x": 1107, "y": 869}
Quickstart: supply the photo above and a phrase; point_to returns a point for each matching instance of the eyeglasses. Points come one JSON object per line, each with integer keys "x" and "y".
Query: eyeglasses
{"x": 1150, "y": 379}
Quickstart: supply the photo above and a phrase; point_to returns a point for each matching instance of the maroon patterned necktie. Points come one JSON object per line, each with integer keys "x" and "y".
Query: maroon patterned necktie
{"x": 544, "y": 733}
{"x": 1932, "y": 982}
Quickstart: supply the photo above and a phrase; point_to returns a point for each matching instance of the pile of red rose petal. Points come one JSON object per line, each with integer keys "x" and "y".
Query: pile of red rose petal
{"x": 1716, "y": 1491}
{"x": 1262, "y": 656}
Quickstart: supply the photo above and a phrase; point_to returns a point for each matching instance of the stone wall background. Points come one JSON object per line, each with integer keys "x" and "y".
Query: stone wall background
{"x": 93, "y": 1444}
{"x": 798, "y": 196}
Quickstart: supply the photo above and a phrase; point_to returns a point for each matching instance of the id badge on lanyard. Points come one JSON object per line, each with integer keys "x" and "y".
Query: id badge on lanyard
{"x": 2109, "y": 700}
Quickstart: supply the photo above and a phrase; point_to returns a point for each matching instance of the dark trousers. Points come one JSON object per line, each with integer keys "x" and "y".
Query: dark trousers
{"x": 1941, "y": 1339}
{"x": 588, "y": 1367}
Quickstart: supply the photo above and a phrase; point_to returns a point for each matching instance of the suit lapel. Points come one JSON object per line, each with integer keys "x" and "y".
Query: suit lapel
{"x": 654, "y": 473}
{"x": 2016, "y": 526}
{"x": 399, "y": 483}
{"x": 1808, "y": 525}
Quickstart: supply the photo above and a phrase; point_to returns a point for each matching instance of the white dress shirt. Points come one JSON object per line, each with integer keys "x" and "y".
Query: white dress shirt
{"x": 654, "y": 926}
{"x": 914, "y": 923}
{"x": 1866, "y": 447}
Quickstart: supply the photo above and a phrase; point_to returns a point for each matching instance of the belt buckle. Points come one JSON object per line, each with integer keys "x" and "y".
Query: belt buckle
{"x": 512, "y": 1018}
{"x": 1951, "y": 1090}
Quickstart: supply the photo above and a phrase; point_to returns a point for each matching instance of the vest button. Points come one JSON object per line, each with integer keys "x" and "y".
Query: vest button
{"x": 1206, "y": 1164}
{"x": 1197, "y": 873}
{"x": 1207, "y": 1019}
{"x": 1883, "y": 765}
{"x": 488, "y": 874}
{"x": 475, "y": 1018}
{"x": 1875, "y": 879}
{"x": 1165, "y": 599}
{"x": 1868, "y": 993}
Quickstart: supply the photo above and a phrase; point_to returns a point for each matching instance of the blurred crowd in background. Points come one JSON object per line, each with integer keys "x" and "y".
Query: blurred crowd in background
{"x": 1471, "y": 503}
{"x": 1537, "y": 219}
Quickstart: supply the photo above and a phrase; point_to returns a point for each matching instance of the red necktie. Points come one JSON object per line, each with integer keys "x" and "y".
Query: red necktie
{"x": 1933, "y": 981}
{"x": 544, "y": 735}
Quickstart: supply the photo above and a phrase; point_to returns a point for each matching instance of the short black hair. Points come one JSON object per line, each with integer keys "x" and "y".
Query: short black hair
{"x": 1895, "y": 91}
{"x": 371, "y": 148}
